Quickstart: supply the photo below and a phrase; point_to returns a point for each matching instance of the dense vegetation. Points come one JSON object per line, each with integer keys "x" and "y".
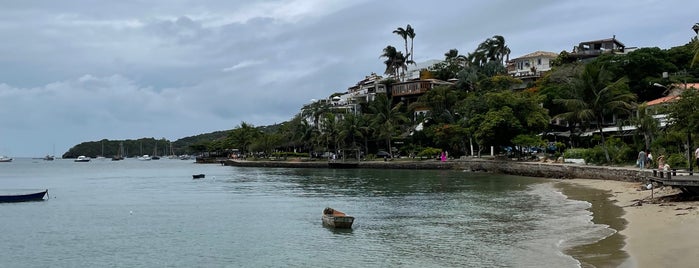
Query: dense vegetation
{"x": 481, "y": 110}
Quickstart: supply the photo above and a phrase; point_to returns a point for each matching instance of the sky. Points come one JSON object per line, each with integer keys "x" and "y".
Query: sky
{"x": 84, "y": 70}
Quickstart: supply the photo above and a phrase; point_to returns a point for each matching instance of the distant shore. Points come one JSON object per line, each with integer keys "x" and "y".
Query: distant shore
{"x": 660, "y": 231}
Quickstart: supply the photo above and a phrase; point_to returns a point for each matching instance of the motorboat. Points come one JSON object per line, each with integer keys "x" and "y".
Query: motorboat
{"x": 82, "y": 158}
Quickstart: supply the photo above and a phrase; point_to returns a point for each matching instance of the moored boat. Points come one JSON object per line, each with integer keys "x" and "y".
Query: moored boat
{"x": 5, "y": 158}
{"x": 82, "y": 158}
{"x": 198, "y": 176}
{"x": 337, "y": 219}
{"x": 38, "y": 196}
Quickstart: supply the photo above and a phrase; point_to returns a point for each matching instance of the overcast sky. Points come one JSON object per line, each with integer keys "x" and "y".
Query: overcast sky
{"x": 76, "y": 71}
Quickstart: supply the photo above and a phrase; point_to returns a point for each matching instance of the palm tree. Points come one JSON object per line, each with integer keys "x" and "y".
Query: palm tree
{"x": 303, "y": 133}
{"x": 594, "y": 96}
{"x": 645, "y": 124}
{"x": 331, "y": 130}
{"x": 403, "y": 33}
{"x": 315, "y": 110}
{"x": 243, "y": 136}
{"x": 492, "y": 49}
{"x": 395, "y": 61}
{"x": 411, "y": 34}
{"x": 386, "y": 118}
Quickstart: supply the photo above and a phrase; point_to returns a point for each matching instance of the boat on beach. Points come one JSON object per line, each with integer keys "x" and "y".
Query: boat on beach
{"x": 14, "y": 198}
{"x": 337, "y": 219}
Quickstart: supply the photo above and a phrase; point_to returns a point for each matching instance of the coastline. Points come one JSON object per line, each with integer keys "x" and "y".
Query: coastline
{"x": 654, "y": 232}
{"x": 659, "y": 232}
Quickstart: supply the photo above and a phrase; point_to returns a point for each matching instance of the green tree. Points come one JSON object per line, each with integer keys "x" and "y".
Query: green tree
{"x": 594, "y": 97}
{"x": 315, "y": 110}
{"x": 683, "y": 116}
{"x": 395, "y": 62}
{"x": 386, "y": 119}
{"x": 244, "y": 135}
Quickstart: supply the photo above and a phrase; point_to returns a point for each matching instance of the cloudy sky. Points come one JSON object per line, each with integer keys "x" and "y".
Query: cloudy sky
{"x": 78, "y": 70}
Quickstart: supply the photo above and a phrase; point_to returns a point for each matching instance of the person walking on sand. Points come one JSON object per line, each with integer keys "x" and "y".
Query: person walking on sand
{"x": 641, "y": 159}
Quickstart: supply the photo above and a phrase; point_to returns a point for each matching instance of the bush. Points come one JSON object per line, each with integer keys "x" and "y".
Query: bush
{"x": 677, "y": 161}
{"x": 575, "y": 153}
{"x": 429, "y": 152}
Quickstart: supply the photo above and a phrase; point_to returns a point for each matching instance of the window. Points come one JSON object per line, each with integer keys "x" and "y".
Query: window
{"x": 538, "y": 61}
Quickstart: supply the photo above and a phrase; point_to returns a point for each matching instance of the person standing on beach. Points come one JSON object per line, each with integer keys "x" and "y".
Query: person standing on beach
{"x": 641, "y": 159}
{"x": 649, "y": 159}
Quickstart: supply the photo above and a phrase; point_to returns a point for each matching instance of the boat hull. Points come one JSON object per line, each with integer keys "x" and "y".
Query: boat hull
{"x": 198, "y": 176}
{"x": 39, "y": 196}
{"x": 336, "y": 219}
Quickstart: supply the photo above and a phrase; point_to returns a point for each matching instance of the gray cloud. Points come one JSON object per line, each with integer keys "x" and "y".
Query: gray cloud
{"x": 77, "y": 71}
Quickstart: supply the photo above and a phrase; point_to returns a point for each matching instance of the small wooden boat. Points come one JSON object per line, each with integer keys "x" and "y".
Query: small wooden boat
{"x": 39, "y": 196}
{"x": 198, "y": 176}
{"x": 337, "y": 219}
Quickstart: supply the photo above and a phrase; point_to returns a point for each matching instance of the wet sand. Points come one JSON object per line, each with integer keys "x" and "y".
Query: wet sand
{"x": 658, "y": 232}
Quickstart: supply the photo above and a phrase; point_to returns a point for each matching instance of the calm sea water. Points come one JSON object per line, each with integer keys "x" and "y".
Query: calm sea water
{"x": 153, "y": 214}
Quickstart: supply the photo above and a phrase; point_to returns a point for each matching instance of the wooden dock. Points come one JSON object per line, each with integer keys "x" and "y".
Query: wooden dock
{"x": 685, "y": 182}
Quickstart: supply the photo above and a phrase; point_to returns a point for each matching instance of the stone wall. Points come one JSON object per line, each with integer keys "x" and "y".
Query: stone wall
{"x": 532, "y": 169}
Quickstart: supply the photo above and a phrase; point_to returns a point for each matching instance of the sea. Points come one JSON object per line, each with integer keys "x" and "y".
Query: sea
{"x": 135, "y": 213}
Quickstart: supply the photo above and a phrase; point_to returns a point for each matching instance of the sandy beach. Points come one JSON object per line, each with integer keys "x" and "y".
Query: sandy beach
{"x": 659, "y": 232}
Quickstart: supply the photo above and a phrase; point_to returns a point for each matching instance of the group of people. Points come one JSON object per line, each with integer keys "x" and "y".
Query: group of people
{"x": 645, "y": 160}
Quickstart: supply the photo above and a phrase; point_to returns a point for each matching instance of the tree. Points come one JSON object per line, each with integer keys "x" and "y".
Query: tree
{"x": 684, "y": 117}
{"x": 243, "y": 135}
{"x": 315, "y": 110}
{"x": 406, "y": 33}
{"x": 594, "y": 96}
{"x": 386, "y": 119}
{"x": 395, "y": 62}
{"x": 645, "y": 124}
{"x": 411, "y": 34}
{"x": 403, "y": 33}
{"x": 492, "y": 49}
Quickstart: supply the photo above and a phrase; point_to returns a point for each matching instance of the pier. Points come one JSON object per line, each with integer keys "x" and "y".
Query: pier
{"x": 684, "y": 181}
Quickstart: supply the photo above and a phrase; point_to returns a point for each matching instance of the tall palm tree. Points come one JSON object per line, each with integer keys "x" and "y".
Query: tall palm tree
{"x": 403, "y": 33}
{"x": 386, "y": 118}
{"x": 410, "y": 32}
{"x": 331, "y": 130}
{"x": 594, "y": 96}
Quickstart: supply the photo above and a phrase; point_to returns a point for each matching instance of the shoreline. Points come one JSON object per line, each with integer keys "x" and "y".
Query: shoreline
{"x": 655, "y": 232}
{"x": 659, "y": 232}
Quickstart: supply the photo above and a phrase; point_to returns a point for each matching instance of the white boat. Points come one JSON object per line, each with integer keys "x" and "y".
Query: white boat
{"x": 82, "y": 158}
{"x": 5, "y": 158}
{"x": 144, "y": 157}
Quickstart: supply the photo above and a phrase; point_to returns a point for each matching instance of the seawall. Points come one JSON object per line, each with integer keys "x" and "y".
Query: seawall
{"x": 532, "y": 169}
